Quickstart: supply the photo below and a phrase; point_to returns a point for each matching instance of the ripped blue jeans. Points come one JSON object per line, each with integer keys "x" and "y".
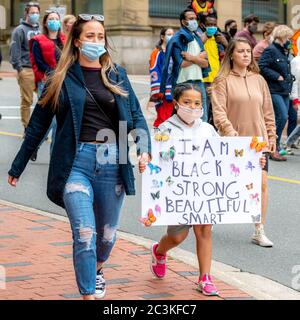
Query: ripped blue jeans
{"x": 93, "y": 197}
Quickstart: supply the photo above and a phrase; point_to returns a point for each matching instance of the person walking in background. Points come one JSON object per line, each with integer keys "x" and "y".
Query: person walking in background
{"x": 163, "y": 104}
{"x": 45, "y": 51}
{"x": 215, "y": 48}
{"x": 250, "y": 28}
{"x": 275, "y": 68}
{"x": 89, "y": 95}
{"x": 67, "y": 23}
{"x": 242, "y": 106}
{"x": 294, "y": 135}
{"x": 268, "y": 39}
{"x": 230, "y": 29}
{"x": 20, "y": 57}
{"x": 189, "y": 60}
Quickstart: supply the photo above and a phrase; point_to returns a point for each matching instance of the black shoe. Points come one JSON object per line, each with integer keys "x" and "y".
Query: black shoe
{"x": 34, "y": 155}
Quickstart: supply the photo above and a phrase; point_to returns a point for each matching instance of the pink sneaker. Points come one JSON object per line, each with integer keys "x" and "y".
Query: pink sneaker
{"x": 206, "y": 286}
{"x": 158, "y": 263}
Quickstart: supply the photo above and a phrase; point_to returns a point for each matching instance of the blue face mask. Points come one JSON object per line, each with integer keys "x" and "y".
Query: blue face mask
{"x": 34, "y": 18}
{"x": 168, "y": 38}
{"x": 92, "y": 50}
{"x": 211, "y": 31}
{"x": 53, "y": 25}
{"x": 192, "y": 25}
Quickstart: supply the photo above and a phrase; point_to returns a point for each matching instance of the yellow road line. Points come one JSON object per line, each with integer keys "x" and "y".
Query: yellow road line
{"x": 284, "y": 180}
{"x": 11, "y": 134}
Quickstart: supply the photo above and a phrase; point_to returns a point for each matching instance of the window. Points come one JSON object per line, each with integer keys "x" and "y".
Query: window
{"x": 266, "y": 10}
{"x": 87, "y": 6}
{"x": 17, "y": 11}
{"x": 167, "y": 8}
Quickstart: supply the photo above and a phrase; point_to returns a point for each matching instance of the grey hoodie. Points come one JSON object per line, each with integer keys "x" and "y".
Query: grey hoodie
{"x": 19, "y": 48}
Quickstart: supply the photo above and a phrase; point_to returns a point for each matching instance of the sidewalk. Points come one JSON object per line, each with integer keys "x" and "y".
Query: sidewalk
{"x": 36, "y": 254}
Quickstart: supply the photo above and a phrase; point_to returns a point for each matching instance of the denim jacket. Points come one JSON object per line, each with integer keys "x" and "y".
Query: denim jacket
{"x": 69, "y": 116}
{"x": 177, "y": 44}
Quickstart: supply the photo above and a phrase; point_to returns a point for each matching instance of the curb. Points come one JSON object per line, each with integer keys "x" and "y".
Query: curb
{"x": 259, "y": 287}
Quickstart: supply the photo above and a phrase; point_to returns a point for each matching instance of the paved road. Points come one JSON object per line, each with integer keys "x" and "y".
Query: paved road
{"x": 231, "y": 242}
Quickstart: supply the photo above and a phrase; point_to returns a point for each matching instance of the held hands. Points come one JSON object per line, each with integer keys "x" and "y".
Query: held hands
{"x": 144, "y": 159}
{"x": 12, "y": 181}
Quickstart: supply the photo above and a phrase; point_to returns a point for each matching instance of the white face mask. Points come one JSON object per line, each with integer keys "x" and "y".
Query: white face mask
{"x": 189, "y": 115}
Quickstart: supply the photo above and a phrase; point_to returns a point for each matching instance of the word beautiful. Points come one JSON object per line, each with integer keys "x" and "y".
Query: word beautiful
{"x": 205, "y": 181}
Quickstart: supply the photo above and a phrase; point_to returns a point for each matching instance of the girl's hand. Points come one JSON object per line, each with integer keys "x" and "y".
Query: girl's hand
{"x": 12, "y": 181}
{"x": 262, "y": 161}
{"x": 144, "y": 159}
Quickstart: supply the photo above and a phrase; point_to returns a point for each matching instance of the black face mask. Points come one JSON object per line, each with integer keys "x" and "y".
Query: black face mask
{"x": 232, "y": 31}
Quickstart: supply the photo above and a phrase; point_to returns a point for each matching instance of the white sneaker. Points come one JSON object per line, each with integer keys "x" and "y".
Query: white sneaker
{"x": 261, "y": 239}
{"x": 100, "y": 285}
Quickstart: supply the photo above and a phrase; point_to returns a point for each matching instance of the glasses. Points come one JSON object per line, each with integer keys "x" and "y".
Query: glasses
{"x": 89, "y": 17}
{"x": 51, "y": 11}
{"x": 32, "y": 4}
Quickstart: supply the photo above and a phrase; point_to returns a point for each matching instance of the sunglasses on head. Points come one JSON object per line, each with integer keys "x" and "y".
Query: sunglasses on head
{"x": 51, "y": 11}
{"x": 89, "y": 17}
{"x": 32, "y": 4}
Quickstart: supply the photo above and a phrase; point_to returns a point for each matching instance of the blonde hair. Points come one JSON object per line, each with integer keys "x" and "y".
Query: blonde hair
{"x": 227, "y": 63}
{"x": 70, "y": 54}
{"x": 66, "y": 19}
{"x": 282, "y": 31}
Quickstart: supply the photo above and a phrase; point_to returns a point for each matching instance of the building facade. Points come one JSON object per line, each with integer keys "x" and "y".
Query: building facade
{"x": 133, "y": 25}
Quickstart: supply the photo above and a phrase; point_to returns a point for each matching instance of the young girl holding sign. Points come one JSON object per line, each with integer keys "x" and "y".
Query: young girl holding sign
{"x": 187, "y": 123}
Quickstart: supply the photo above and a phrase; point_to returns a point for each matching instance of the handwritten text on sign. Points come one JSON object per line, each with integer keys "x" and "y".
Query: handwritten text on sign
{"x": 202, "y": 181}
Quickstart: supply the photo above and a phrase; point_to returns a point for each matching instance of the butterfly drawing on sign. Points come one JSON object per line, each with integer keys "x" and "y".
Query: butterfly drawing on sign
{"x": 235, "y": 170}
{"x": 258, "y": 146}
{"x": 169, "y": 181}
{"x": 162, "y": 135}
{"x": 154, "y": 168}
{"x": 157, "y": 210}
{"x": 196, "y": 148}
{"x": 239, "y": 152}
{"x": 249, "y": 186}
{"x": 250, "y": 166}
{"x": 168, "y": 155}
{"x": 254, "y": 198}
{"x": 155, "y": 195}
{"x": 156, "y": 184}
{"x": 256, "y": 218}
{"x": 147, "y": 222}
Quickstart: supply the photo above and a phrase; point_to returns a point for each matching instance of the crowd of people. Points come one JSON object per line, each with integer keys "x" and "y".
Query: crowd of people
{"x": 204, "y": 82}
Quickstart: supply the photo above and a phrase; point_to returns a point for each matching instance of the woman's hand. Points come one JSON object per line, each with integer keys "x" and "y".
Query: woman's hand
{"x": 12, "y": 181}
{"x": 144, "y": 159}
{"x": 272, "y": 147}
{"x": 262, "y": 161}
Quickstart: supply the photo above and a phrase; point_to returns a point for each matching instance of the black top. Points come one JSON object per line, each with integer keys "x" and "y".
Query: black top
{"x": 93, "y": 119}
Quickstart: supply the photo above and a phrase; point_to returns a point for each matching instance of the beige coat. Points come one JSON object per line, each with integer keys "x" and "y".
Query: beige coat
{"x": 242, "y": 106}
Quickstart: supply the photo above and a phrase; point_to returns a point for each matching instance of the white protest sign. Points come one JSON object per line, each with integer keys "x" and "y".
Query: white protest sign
{"x": 202, "y": 181}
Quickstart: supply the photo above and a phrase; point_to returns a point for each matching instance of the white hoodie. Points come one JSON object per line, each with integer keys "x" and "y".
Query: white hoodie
{"x": 180, "y": 129}
{"x": 295, "y": 68}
